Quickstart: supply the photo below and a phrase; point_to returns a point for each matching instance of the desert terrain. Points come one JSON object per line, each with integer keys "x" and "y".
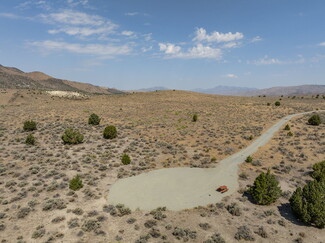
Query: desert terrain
{"x": 156, "y": 130}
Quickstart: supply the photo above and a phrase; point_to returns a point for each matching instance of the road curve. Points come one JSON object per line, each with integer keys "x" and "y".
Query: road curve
{"x": 183, "y": 188}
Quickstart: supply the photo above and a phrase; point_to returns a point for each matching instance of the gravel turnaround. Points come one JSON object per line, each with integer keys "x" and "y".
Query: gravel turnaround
{"x": 184, "y": 188}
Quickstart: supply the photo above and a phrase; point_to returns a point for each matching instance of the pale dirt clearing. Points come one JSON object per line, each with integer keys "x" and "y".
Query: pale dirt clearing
{"x": 66, "y": 94}
{"x": 184, "y": 188}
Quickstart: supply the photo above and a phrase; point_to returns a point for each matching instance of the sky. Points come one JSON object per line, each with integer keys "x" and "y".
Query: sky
{"x": 179, "y": 44}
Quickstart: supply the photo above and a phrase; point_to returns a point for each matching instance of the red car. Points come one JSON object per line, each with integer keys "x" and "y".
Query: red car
{"x": 222, "y": 189}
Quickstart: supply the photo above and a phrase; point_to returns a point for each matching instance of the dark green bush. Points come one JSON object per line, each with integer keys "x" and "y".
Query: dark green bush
{"x": 249, "y": 159}
{"x": 319, "y": 171}
{"x": 110, "y": 132}
{"x": 290, "y": 134}
{"x": 277, "y": 103}
{"x": 29, "y": 125}
{"x": 30, "y": 140}
{"x": 266, "y": 189}
{"x": 75, "y": 183}
{"x": 308, "y": 203}
{"x": 194, "y": 118}
{"x": 287, "y": 127}
{"x": 71, "y": 136}
{"x": 126, "y": 159}
{"x": 314, "y": 120}
{"x": 94, "y": 119}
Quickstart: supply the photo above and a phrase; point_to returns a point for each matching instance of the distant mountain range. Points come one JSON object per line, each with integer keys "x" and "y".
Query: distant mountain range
{"x": 244, "y": 91}
{"x": 13, "y": 78}
{"x": 224, "y": 90}
{"x": 288, "y": 90}
{"x": 153, "y": 89}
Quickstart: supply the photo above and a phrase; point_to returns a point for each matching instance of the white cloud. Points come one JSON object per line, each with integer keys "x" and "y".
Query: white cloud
{"x": 322, "y": 44}
{"x": 144, "y": 49}
{"x": 9, "y": 16}
{"x": 132, "y": 13}
{"x": 230, "y": 75}
{"x": 127, "y": 33}
{"x": 266, "y": 61}
{"x": 35, "y": 3}
{"x": 79, "y": 24}
{"x": 71, "y": 17}
{"x": 256, "y": 39}
{"x": 136, "y": 14}
{"x": 91, "y": 49}
{"x": 269, "y": 61}
{"x": 85, "y": 31}
{"x": 231, "y": 45}
{"x": 14, "y": 16}
{"x": 198, "y": 51}
{"x": 201, "y": 35}
{"x": 74, "y": 3}
{"x": 147, "y": 37}
{"x": 169, "y": 48}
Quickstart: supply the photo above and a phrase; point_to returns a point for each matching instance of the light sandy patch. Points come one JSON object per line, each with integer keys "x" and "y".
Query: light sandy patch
{"x": 66, "y": 94}
{"x": 183, "y": 188}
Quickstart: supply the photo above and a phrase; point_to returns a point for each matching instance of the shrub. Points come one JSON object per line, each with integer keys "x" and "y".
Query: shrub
{"x": 319, "y": 171}
{"x": 194, "y": 118}
{"x": 94, "y": 119}
{"x": 261, "y": 232}
{"x": 110, "y": 132}
{"x": 30, "y": 140}
{"x": 71, "y": 136}
{"x": 290, "y": 134}
{"x": 287, "y": 127}
{"x": 29, "y": 125}
{"x": 266, "y": 189}
{"x": 90, "y": 225}
{"x": 244, "y": 233}
{"x": 314, "y": 120}
{"x": 277, "y": 103}
{"x": 268, "y": 104}
{"x": 234, "y": 209}
{"x": 75, "y": 183}
{"x": 249, "y": 159}
{"x": 52, "y": 204}
{"x": 39, "y": 232}
{"x": 125, "y": 159}
{"x": 308, "y": 203}
{"x": 118, "y": 210}
{"x": 215, "y": 238}
{"x": 243, "y": 176}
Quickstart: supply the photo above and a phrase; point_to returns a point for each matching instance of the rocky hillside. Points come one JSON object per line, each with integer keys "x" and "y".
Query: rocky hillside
{"x": 13, "y": 78}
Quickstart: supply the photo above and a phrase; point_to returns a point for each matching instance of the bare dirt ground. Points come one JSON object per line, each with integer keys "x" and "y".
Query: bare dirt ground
{"x": 157, "y": 131}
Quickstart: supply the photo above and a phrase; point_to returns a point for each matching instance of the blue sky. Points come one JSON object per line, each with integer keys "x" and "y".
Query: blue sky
{"x": 181, "y": 44}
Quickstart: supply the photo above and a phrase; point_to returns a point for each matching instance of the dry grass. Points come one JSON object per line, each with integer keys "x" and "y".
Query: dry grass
{"x": 157, "y": 131}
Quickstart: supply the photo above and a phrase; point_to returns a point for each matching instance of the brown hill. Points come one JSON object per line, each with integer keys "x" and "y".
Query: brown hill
{"x": 38, "y": 75}
{"x": 13, "y": 78}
